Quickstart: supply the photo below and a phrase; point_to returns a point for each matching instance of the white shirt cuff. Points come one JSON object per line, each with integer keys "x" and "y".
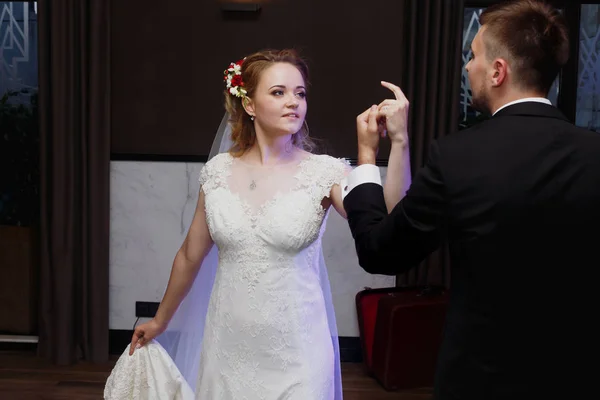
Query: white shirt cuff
{"x": 366, "y": 173}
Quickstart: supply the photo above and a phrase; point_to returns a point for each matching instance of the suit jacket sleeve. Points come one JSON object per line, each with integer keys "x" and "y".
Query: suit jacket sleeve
{"x": 392, "y": 243}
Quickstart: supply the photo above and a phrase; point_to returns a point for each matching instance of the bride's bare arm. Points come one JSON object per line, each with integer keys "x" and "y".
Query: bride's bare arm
{"x": 186, "y": 265}
{"x": 398, "y": 178}
{"x": 336, "y": 200}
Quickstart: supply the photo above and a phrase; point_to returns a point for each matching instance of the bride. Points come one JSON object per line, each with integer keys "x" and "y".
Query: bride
{"x": 247, "y": 313}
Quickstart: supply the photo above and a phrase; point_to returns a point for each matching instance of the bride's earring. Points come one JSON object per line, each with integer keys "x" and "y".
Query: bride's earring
{"x": 252, "y": 118}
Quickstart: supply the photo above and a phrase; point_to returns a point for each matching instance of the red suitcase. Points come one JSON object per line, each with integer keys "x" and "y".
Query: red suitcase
{"x": 366, "y": 309}
{"x": 407, "y": 336}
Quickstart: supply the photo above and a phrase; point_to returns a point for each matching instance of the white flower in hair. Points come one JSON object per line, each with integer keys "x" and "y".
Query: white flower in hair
{"x": 233, "y": 79}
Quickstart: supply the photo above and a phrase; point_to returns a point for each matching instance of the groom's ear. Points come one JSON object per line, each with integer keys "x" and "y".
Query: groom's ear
{"x": 248, "y": 105}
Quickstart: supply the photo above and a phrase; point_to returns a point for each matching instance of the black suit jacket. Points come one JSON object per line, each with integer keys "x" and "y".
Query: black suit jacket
{"x": 518, "y": 199}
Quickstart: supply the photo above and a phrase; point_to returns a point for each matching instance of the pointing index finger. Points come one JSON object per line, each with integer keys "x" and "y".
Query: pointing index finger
{"x": 397, "y": 91}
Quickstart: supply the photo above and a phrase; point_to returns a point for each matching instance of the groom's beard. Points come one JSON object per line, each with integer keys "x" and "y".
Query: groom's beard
{"x": 480, "y": 101}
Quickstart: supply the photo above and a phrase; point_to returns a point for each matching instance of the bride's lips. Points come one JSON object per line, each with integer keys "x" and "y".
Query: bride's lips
{"x": 291, "y": 115}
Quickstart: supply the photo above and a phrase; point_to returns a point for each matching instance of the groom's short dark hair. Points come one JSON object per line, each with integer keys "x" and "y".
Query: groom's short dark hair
{"x": 532, "y": 36}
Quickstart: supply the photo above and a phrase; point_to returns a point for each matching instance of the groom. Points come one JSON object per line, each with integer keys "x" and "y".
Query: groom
{"x": 518, "y": 199}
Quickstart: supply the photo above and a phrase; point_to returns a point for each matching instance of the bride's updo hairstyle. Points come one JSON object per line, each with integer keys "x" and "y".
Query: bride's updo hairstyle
{"x": 241, "y": 79}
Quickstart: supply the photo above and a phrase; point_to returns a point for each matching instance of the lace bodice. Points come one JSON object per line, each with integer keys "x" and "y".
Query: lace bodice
{"x": 284, "y": 212}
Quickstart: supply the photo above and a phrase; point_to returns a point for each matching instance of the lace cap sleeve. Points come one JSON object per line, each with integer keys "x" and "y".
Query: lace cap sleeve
{"x": 333, "y": 170}
{"x": 213, "y": 171}
{"x": 203, "y": 175}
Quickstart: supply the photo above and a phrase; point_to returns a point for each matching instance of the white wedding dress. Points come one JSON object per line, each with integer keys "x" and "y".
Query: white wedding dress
{"x": 267, "y": 333}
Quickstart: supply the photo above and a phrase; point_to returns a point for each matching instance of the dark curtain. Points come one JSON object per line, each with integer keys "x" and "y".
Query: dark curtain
{"x": 431, "y": 68}
{"x": 74, "y": 81}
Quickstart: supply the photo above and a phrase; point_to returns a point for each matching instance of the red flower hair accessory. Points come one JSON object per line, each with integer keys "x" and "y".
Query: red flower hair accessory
{"x": 233, "y": 79}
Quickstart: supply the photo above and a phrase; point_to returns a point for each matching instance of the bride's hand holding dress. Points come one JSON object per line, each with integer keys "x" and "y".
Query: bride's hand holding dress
{"x": 145, "y": 333}
{"x": 187, "y": 262}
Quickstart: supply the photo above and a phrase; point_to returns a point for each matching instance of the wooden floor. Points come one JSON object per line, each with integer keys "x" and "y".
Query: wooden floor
{"x": 25, "y": 377}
